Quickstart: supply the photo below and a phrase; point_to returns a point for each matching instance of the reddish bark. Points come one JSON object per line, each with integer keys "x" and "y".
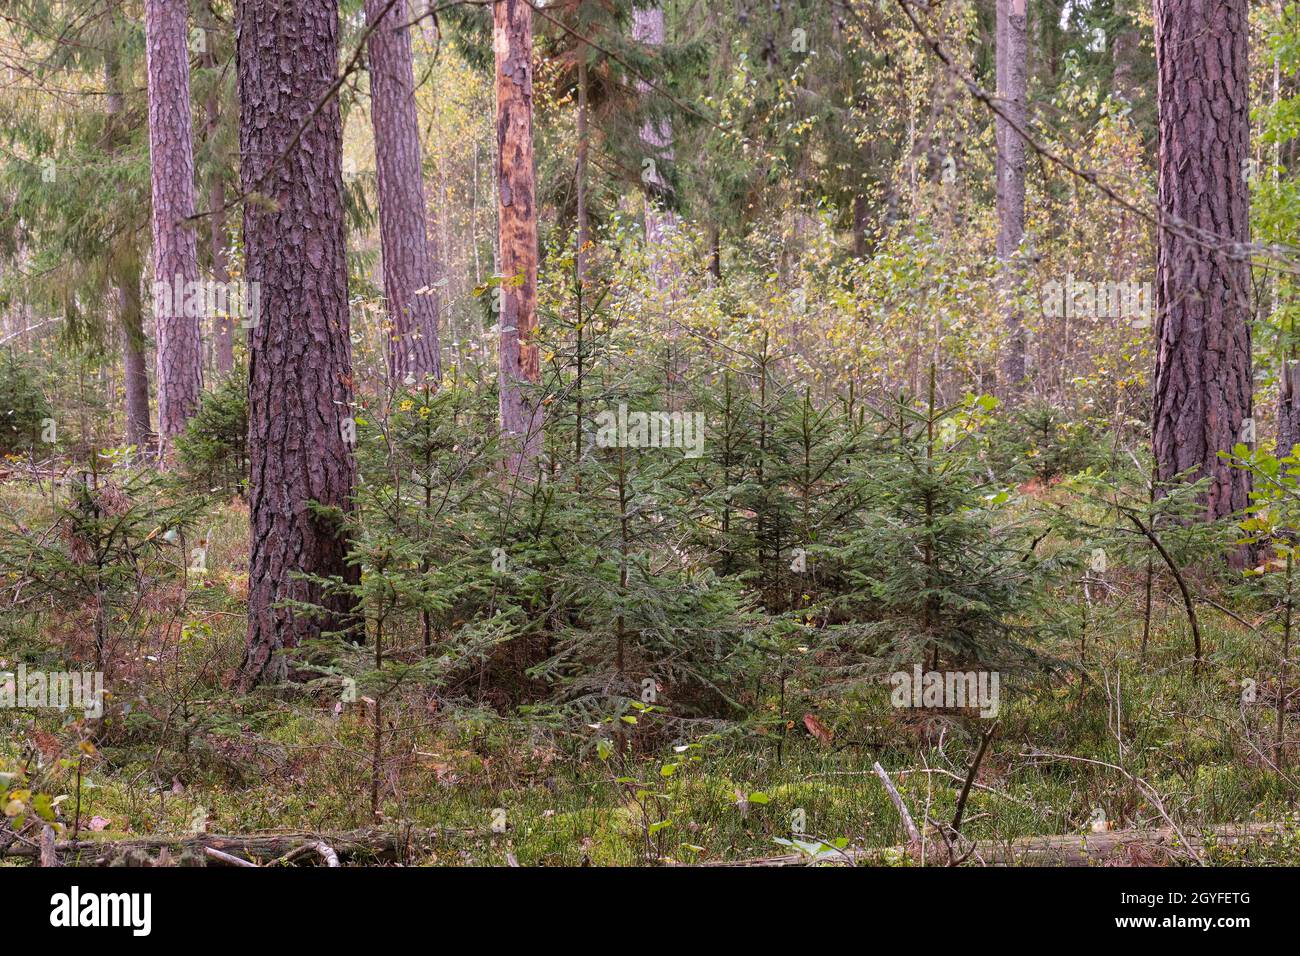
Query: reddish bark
{"x": 519, "y": 372}
{"x": 171, "y": 174}
{"x": 300, "y": 376}
{"x": 1203, "y": 364}
{"x": 408, "y": 245}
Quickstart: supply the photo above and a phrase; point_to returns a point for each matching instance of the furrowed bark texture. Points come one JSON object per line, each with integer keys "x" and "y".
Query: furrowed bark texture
{"x": 409, "y": 249}
{"x": 519, "y": 372}
{"x": 1203, "y": 390}
{"x": 300, "y": 375}
{"x": 1012, "y": 73}
{"x": 175, "y": 254}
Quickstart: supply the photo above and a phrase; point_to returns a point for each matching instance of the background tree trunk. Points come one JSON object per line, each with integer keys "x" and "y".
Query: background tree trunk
{"x": 300, "y": 375}
{"x": 517, "y": 233}
{"x": 1288, "y": 398}
{"x": 175, "y": 255}
{"x": 409, "y": 248}
{"x": 223, "y": 326}
{"x": 130, "y": 315}
{"x": 580, "y": 170}
{"x": 648, "y": 28}
{"x": 1288, "y": 407}
{"x": 1012, "y": 73}
{"x": 1203, "y": 363}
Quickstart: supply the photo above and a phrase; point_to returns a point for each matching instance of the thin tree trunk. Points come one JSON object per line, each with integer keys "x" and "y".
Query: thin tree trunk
{"x": 657, "y": 136}
{"x": 408, "y": 245}
{"x": 300, "y": 368}
{"x": 175, "y": 255}
{"x": 860, "y": 223}
{"x": 1288, "y": 402}
{"x": 580, "y": 172}
{"x": 223, "y": 326}
{"x": 1288, "y": 407}
{"x": 517, "y": 234}
{"x": 1203, "y": 363}
{"x": 130, "y": 315}
{"x": 580, "y": 254}
{"x": 1012, "y": 73}
{"x": 1124, "y": 55}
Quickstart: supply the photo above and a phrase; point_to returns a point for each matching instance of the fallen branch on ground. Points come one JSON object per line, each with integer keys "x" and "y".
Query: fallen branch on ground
{"x": 1137, "y": 847}
{"x": 914, "y": 835}
{"x": 368, "y": 845}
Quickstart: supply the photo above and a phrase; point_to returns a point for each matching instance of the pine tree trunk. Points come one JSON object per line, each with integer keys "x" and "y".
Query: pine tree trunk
{"x": 176, "y": 262}
{"x": 1203, "y": 362}
{"x": 408, "y": 245}
{"x": 300, "y": 369}
{"x": 517, "y": 234}
{"x": 223, "y": 326}
{"x": 1012, "y": 72}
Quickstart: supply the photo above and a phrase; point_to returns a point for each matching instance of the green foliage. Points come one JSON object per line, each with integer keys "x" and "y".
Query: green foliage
{"x": 104, "y": 541}
{"x": 944, "y": 568}
{"x": 1039, "y": 441}
{"x": 23, "y": 407}
{"x": 212, "y": 449}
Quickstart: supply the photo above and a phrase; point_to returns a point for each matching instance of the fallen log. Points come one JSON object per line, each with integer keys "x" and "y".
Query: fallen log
{"x": 367, "y": 845}
{"x": 1159, "y": 847}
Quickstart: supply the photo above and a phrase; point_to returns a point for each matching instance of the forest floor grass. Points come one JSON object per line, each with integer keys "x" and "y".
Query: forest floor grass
{"x": 188, "y": 754}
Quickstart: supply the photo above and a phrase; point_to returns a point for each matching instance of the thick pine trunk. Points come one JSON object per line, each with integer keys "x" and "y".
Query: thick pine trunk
{"x": 300, "y": 370}
{"x": 1203, "y": 365}
{"x": 519, "y": 374}
{"x": 409, "y": 249}
{"x": 1012, "y": 73}
{"x": 175, "y": 254}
